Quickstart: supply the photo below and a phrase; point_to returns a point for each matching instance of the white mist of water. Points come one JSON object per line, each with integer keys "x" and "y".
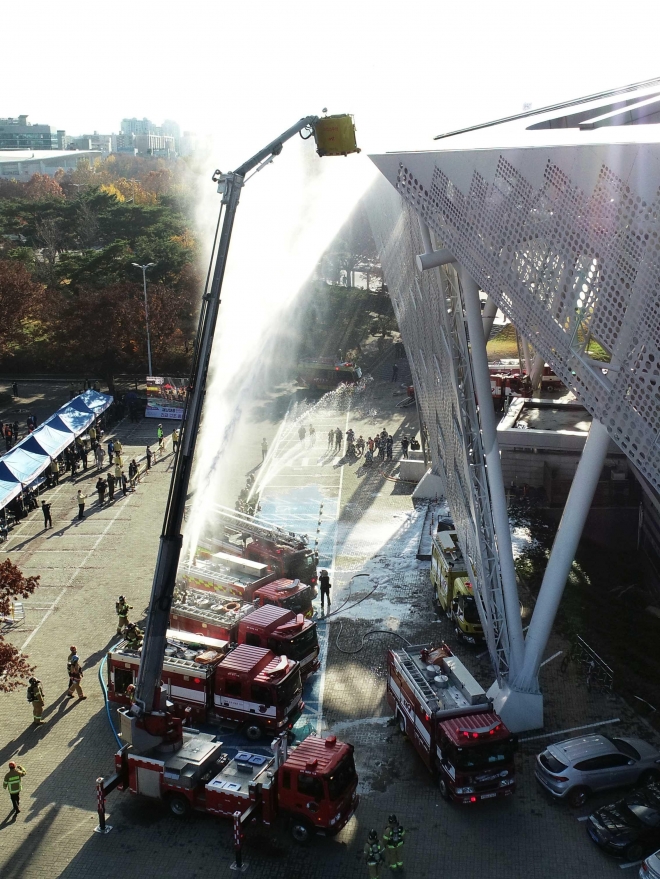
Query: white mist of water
{"x": 287, "y": 216}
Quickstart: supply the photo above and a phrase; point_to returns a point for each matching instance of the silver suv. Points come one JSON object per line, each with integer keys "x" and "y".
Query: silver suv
{"x": 575, "y": 768}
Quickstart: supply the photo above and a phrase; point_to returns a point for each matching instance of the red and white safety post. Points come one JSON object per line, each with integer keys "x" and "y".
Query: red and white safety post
{"x": 238, "y": 864}
{"x": 100, "y": 804}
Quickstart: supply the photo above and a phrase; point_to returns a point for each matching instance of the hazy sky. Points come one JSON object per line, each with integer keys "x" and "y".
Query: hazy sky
{"x": 246, "y": 71}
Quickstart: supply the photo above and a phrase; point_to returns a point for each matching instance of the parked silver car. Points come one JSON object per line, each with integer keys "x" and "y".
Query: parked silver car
{"x": 575, "y": 768}
{"x": 650, "y": 869}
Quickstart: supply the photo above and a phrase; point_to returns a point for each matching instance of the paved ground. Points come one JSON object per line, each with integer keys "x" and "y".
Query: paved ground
{"x": 369, "y": 527}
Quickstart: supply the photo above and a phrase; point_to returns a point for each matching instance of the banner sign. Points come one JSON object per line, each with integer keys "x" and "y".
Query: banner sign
{"x": 166, "y": 397}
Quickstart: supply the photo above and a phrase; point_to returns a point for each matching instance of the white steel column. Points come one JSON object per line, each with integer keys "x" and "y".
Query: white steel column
{"x": 493, "y": 468}
{"x": 537, "y": 371}
{"x": 488, "y": 317}
{"x": 563, "y": 552}
{"x": 528, "y": 362}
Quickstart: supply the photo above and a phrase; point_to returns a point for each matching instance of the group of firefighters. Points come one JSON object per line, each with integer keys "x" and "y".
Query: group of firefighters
{"x": 390, "y": 851}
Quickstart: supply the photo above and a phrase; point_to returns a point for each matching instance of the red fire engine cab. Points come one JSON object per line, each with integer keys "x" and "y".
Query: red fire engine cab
{"x": 246, "y": 686}
{"x": 274, "y": 628}
{"x": 449, "y": 719}
{"x": 312, "y": 788}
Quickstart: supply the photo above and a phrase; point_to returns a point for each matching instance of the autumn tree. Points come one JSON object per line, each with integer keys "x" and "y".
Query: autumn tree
{"x": 19, "y": 297}
{"x": 14, "y": 665}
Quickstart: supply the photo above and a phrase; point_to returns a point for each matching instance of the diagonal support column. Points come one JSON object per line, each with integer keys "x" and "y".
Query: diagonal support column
{"x": 494, "y": 468}
{"x": 563, "y": 552}
{"x": 488, "y": 317}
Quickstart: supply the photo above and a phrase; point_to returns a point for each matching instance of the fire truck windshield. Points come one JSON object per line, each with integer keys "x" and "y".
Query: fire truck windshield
{"x": 298, "y": 603}
{"x": 341, "y": 778}
{"x": 470, "y": 610}
{"x": 302, "y": 644}
{"x": 290, "y": 686}
{"x": 482, "y": 756}
{"x": 303, "y": 566}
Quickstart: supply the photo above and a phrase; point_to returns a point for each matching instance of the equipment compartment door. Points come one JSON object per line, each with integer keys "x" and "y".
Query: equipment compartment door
{"x": 148, "y": 782}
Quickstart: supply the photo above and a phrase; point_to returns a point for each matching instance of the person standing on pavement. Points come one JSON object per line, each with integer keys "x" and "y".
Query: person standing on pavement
{"x": 393, "y": 839}
{"x": 301, "y": 433}
{"x": 373, "y": 853}
{"x": 390, "y": 445}
{"x": 117, "y": 470}
{"x": 122, "y": 609}
{"x": 99, "y": 454}
{"x": 132, "y": 473}
{"x": 111, "y": 451}
{"x": 111, "y": 486}
{"x": 312, "y": 435}
{"x": 264, "y": 448}
{"x": 331, "y": 438}
{"x": 149, "y": 456}
{"x": 175, "y": 439}
{"x": 118, "y": 448}
{"x": 81, "y": 504}
{"x": 55, "y": 471}
{"x": 338, "y": 438}
{"x": 15, "y": 429}
{"x": 395, "y": 372}
{"x": 35, "y": 695}
{"x": 83, "y": 455}
{"x": 161, "y": 437}
{"x": 101, "y": 486}
{"x": 124, "y": 483}
{"x": 75, "y": 677}
{"x": 13, "y": 783}
{"x": 326, "y": 586}
{"x": 405, "y": 442}
{"x": 45, "y": 509}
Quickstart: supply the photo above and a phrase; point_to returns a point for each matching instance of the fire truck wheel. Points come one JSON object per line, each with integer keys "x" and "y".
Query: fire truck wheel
{"x": 443, "y": 787}
{"x": 254, "y": 732}
{"x": 178, "y": 805}
{"x": 300, "y": 831}
{"x": 402, "y": 722}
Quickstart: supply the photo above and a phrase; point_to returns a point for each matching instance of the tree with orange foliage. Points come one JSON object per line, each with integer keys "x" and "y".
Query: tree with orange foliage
{"x": 14, "y": 665}
{"x": 41, "y": 186}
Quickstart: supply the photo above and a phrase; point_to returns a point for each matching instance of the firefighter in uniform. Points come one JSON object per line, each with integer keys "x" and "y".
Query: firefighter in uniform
{"x": 13, "y": 784}
{"x": 133, "y": 636}
{"x": 122, "y": 610}
{"x": 69, "y": 660}
{"x": 393, "y": 842}
{"x": 35, "y": 695}
{"x": 326, "y": 585}
{"x": 373, "y": 853}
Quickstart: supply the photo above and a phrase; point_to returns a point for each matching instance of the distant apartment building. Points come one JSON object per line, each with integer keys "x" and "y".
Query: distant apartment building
{"x": 105, "y": 143}
{"x": 19, "y": 134}
{"x": 154, "y": 145}
{"x": 152, "y": 139}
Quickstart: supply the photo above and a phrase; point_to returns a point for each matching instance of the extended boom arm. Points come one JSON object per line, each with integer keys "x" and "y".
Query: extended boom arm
{"x": 162, "y": 590}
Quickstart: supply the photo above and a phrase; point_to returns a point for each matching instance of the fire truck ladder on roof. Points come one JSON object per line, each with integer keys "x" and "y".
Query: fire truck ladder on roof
{"x": 245, "y": 524}
{"x": 411, "y": 667}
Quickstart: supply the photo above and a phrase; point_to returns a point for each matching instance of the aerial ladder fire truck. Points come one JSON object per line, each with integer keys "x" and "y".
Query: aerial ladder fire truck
{"x": 285, "y": 552}
{"x": 246, "y": 581}
{"x": 314, "y": 786}
{"x": 451, "y": 723}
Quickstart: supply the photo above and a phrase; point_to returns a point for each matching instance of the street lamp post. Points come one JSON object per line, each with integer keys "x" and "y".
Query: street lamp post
{"x": 146, "y": 307}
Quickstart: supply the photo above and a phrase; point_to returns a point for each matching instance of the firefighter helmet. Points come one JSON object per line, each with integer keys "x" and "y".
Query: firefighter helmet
{"x": 12, "y": 765}
{"x": 373, "y": 836}
{"x": 121, "y": 598}
{"x": 392, "y": 820}
{"x": 32, "y": 681}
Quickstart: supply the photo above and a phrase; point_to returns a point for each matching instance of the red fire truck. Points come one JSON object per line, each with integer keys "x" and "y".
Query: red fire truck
{"x": 312, "y": 787}
{"x": 227, "y": 575}
{"x": 286, "y": 553}
{"x": 275, "y": 628}
{"x": 449, "y": 719}
{"x": 247, "y": 686}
